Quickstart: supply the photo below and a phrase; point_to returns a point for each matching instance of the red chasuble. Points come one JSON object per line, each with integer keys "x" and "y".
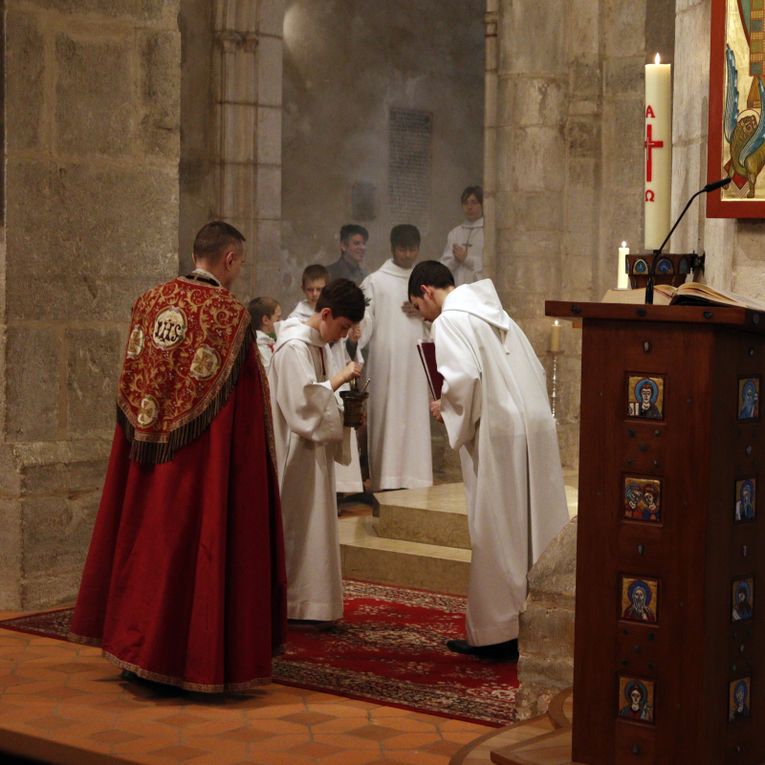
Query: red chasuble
{"x": 184, "y": 582}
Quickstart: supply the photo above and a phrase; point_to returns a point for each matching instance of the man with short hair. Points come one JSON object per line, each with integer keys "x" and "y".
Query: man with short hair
{"x": 398, "y": 424}
{"x": 353, "y": 247}
{"x": 184, "y": 582}
{"x": 495, "y": 408}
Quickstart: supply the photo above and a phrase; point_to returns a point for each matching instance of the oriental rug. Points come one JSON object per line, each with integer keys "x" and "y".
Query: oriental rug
{"x": 388, "y": 649}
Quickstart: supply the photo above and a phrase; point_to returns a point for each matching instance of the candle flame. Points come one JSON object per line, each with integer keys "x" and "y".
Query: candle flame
{"x": 624, "y": 244}
{"x": 556, "y": 323}
{"x": 657, "y": 60}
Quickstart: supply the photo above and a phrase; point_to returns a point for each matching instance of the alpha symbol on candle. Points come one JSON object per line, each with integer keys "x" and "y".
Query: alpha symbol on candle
{"x": 650, "y": 145}
{"x": 649, "y": 113}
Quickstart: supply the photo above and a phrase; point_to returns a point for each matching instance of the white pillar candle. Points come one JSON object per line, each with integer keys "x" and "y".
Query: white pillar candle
{"x": 657, "y": 140}
{"x": 622, "y": 280}
{"x": 555, "y": 336}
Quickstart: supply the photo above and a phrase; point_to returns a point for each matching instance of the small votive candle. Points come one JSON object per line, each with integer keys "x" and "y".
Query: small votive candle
{"x": 622, "y": 280}
{"x": 555, "y": 337}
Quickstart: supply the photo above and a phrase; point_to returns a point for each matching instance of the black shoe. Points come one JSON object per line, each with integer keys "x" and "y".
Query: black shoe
{"x": 507, "y": 651}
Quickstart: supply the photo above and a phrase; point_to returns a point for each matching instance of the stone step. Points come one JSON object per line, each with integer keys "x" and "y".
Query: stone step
{"x": 368, "y": 556}
{"x": 436, "y": 515}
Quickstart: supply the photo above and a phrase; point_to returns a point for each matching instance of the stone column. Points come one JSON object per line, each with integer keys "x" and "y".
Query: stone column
{"x": 91, "y": 220}
{"x": 491, "y": 19}
{"x": 247, "y": 96}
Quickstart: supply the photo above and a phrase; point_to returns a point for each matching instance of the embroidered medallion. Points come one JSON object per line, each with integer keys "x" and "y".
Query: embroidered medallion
{"x": 135, "y": 343}
{"x": 205, "y": 363}
{"x": 169, "y": 328}
{"x": 148, "y": 411}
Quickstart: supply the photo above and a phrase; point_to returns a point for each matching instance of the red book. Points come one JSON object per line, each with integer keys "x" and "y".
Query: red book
{"x": 427, "y": 351}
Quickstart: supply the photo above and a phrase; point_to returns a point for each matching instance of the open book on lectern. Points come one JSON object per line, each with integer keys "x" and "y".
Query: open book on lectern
{"x": 690, "y": 293}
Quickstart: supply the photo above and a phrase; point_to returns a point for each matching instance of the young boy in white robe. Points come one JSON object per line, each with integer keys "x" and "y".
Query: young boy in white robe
{"x": 309, "y": 437}
{"x": 463, "y": 254}
{"x": 265, "y": 313}
{"x": 315, "y": 277}
{"x": 398, "y": 424}
{"x": 496, "y": 411}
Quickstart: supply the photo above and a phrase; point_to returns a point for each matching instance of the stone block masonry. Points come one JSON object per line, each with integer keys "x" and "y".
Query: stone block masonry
{"x": 92, "y": 135}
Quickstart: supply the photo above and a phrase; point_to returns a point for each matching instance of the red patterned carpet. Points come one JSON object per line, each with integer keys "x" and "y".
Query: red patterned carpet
{"x": 389, "y": 648}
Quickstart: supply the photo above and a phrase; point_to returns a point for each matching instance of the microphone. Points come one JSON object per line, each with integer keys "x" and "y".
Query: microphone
{"x": 652, "y": 272}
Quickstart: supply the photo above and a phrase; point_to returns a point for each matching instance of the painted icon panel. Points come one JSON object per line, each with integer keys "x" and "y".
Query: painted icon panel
{"x": 636, "y": 699}
{"x": 746, "y": 499}
{"x": 748, "y": 398}
{"x": 739, "y": 694}
{"x": 640, "y": 599}
{"x": 742, "y": 599}
{"x": 642, "y": 499}
{"x": 645, "y": 397}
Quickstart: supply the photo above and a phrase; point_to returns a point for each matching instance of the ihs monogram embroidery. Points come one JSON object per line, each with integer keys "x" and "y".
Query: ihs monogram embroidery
{"x": 169, "y": 328}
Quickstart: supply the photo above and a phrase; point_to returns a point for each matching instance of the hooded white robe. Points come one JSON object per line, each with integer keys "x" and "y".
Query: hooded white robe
{"x": 398, "y": 428}
{"x": 471, "y": 235}
{"x": 347, "y": 477}
{"x": 496, "y": 411}
{"x": 309, "y": 437}
{"x": 303, "y": 310}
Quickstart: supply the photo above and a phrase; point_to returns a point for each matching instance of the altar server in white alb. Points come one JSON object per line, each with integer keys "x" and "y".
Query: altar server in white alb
{"x": 496, "y": 411}
{"x": 309, "y": 436}
{"x": 398, "y": 427}
{"x": 463, "y": 254}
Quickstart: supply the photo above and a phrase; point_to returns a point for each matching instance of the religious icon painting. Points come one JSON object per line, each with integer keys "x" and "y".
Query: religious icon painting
{"x": 642, "y": 499}
{"x": 640, "y": 601}
{"x": 645, "y": 397}
{"x": 746, "y": 498}
{"x": 742, "y": 599}
{"x": 739, "y": 694}
{"x": 748, "y": 398}
{"x": 664, "y": 266}
{"x": 636, "y": 699}
{"x": 684, "y": 266}
{"x": 640, "y": 267}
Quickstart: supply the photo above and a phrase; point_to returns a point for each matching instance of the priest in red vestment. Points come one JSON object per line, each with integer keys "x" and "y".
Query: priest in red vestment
{"x": 184, "y": 582}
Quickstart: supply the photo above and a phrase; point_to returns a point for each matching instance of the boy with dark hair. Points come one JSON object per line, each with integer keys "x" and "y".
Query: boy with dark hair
{"x": 397, "y": 413}
{"x": 353, "y": 246}
{"x": 463, "y": 253}
{"x": 265, "y": 312}
{"x": 310, "y": 437}
{"x": 314, "y": 278}
{"x": 495, "y": 408}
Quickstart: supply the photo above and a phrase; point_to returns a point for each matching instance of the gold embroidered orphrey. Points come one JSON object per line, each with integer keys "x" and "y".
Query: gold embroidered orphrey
{"x": 172, "y": 388}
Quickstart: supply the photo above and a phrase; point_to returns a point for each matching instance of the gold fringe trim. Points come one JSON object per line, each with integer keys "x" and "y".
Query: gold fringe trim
{"x": 157, "y": 451}
{"x": 83, "y": 640}
{"x": 178, "y": 682}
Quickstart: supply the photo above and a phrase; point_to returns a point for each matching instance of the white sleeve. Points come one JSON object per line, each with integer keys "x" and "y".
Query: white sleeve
{"x": 448, "y": 258}
{"x": 368, "y": 322}
{"x": 309, "y": 407}
{"x": 461, "y": 392}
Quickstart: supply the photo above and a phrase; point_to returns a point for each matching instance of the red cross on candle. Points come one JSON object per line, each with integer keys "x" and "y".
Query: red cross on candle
{"x": 650, "y": 145}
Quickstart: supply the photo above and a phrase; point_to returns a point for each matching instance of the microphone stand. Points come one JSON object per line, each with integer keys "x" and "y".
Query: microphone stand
{"x": 656, "y": 253}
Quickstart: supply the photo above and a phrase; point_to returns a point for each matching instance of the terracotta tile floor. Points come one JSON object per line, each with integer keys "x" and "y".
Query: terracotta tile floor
{"x": 65, "y": 704}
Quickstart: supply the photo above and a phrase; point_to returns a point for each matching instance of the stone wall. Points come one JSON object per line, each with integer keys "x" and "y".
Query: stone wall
{"x": 231, "y": 137}
{"x": 569, "y": 160}
{"x": 346, "y": 65}
{"x": 91, "y": 220}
